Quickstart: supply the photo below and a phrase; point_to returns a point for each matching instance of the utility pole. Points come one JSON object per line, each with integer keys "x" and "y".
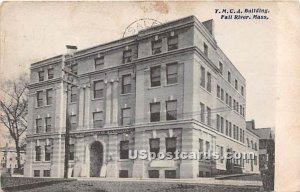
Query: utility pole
{"x": 68, "y": 77}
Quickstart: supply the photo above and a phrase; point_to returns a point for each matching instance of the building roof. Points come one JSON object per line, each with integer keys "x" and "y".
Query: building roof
{"x": 264, "y": 133}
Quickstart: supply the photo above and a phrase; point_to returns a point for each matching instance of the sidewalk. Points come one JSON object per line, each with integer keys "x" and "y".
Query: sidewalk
{"x": 206, "y": 181}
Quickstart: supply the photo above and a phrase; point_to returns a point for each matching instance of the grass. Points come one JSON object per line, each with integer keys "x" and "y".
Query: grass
{"x": 129, "y": 186}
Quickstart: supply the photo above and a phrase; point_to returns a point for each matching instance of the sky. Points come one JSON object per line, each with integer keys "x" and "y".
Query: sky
{"x": 33, "y": 31}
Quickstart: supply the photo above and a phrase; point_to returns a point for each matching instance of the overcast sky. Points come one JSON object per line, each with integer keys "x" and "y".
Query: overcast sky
{"x": 34, "y": 31}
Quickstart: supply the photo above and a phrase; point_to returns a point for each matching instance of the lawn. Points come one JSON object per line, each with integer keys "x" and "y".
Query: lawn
{"x": 130, "y": 186}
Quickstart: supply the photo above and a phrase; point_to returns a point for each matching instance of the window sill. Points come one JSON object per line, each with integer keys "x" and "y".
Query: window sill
{"x": 44, "y": 106}
{"x": 171, "y": 84}
{"x": 123, "y": 160}
{"x": 156, "y": 87}
{"x": 203, "y": 88}
{"x": 221, "y": 101}
{"x": 95, "y": 99}
{"x": 124, "y": 94}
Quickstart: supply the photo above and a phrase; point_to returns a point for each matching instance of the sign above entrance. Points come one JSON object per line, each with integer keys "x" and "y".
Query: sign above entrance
{"x": 106, "y": 132}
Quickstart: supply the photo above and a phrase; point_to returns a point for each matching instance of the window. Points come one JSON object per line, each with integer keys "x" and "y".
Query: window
{"x": 155, "y": 76}
{"x": 255, "y": 160}
{"x": 227, "y": 128}
{"x": 39, "y": 127}
{"x": 230, "y": 129}
{"x": 171, "y": 110}
{"x": 201, "y": 145}
{"x": 221, "y": 154}
{"x": 237, "y": 133}
{"x": 41, "y": 75}
{"x": 46, "y": 173}
{"x": 222, "y": 125}
{"x": 153, "y": 173}
{"x": 242, "y": 90}
{"x": 36, "y": 173}
{"x": 218, "y": 122}
{"x": 126, "y": 84}
{"x": 99, "y": 63}
{"x": 222, "y": 94}
{"x": 48, "y": 150}
{"x": 49, "y": 93}
{"x": 98, "y": 89}
{"x": 202, "y": 79}
{"x": 126, "y": 116}
{"x": 202, "y": 111}
{"x": 234, "y": 104}
{"x": 234, "y": 132}
{"x": 241, "y": 110}
{"x": 172, "y": 43}
{"x": 208, "y": 83}
{"x": 221, "y": 68}
{"x": 207, "y": 146}
{"x": 241, "y": 135}
{"x": 205, "y": 49}
{"x": 48, "y": 124}
{"x": 218, "y": 91}
{"x": 73, "y": 120}
{"x": 39, "y": 97}
{"x": 98, "y": 119}
{"x": 170, "y": 174}
{"x": 226, "y": 99}
{"x": 123, "y": 173}
{"x": 208, "y": 116}
{"x": 154, "y": 146}
{"x": 171, "y": 145}
{"x": 50, "y": 73}
{"x": 155, "y": 112}
{"x": 71, "y": 152}
{"x": 74, "y": 91}
{"x": 172, "y": 73}
{"x": 127, "y": 56}
{"x": 229, "y": 77}
{"x": 230, "y": 101}
{"x": 236, "y": 84}
{"x": 156, "y": 46}
{"x": 74, "y": 68}
{"x": 124, "y": 149}
{"x": 37, "y": 153}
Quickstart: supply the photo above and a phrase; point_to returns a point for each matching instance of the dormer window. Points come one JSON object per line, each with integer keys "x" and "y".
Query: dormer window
{"x": 41, "y": 75}
{"x": 127, "y": 56}
{"x": 156, "y": 46}
{"x": 50, "y": 73}
{"x": 74, "y": 68}
{"x": 99, "y": 63}
{"x": 172, "y": 43}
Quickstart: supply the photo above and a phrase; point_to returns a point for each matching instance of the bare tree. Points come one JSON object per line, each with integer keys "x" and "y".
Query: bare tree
{"x": 13, "y": 109}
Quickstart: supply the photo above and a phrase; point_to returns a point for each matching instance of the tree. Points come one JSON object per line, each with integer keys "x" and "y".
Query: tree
{"x": 13, "y": 109}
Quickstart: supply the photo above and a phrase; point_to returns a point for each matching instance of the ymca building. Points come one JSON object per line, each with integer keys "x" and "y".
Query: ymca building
{"x": 169, "y": 87}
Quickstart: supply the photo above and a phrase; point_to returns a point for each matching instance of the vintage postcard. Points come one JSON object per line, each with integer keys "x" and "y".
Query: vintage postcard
{"x": 155, "y": 96}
